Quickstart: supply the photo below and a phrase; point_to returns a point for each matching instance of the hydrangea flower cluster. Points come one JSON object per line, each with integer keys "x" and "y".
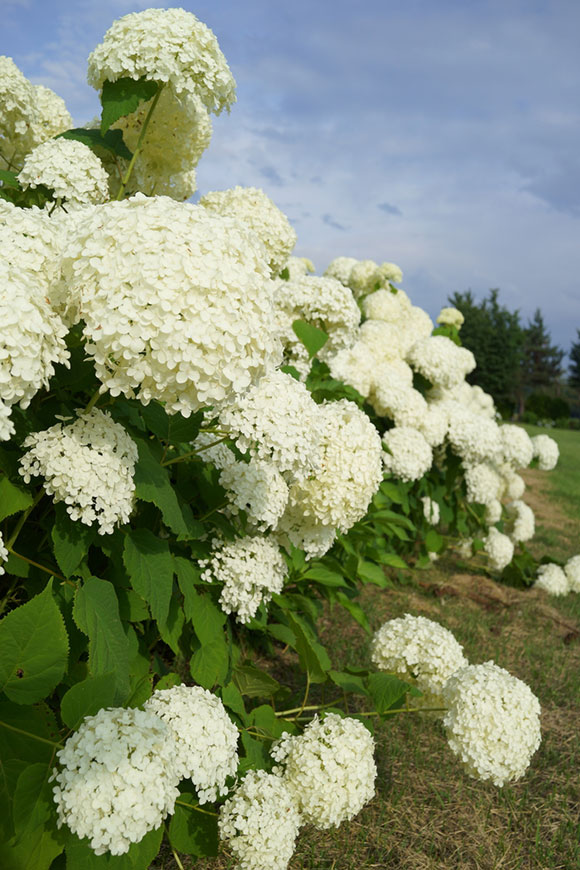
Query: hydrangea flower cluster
{"x": 260, "y": 822}
{"x": 552, "y": 579}
{"x": 69, "y": 168}
{"x": 572, "y": 571}
{"x": 3, "y": 554}
{"x": 521, "y": 521}
{"x": 323, "y": 302}
{"x": 407, "y": 456}
{"x": 204, "y": 737}
{"x": 431, "y": 510}
{"x": 441, "y": 361}
{"x": 329, "y": 769}
{"x": 88, "y": 464}
{"x": 492, "y": 723}
{"x": 450, "y": 317}
{"x": 29, "y": 114}
{"x": 251, "y": 206}
{"x": 191, "y": 328}
{"x": 258, "y": 488}
{"x": 499, "y": 549}
{"x": 116, "y": 779}
{"x": 251, "y": 569}
{"x": 165, "y": 45}
{"x": 419, "y": 649}
{"x": 547, "y": 451}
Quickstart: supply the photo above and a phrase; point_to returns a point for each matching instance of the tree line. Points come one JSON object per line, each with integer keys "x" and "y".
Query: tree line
{"x": 518, "y": 364}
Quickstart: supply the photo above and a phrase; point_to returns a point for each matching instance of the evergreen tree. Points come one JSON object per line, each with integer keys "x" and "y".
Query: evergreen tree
{"x": 574, "y": 379}
{"x": 542, "y": 361}
{"x": 495, "y": 337}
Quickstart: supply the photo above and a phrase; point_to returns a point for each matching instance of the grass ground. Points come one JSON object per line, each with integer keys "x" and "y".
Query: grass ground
{"x": 427, "y": 814}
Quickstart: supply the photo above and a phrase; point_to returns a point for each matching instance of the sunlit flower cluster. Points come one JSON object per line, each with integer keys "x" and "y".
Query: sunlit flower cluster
{"x": 260, "y": 822}
{"x": 88, "y": 464}
{"x": 258, "y": 488}
{"x": 498, "y": 548}
{"x": 69, "y": 168}
{"x": 492, "y": 723}
{"x": 329, "y": 769}
{"x": 407, "y": 455}
{"x": 204, "y": 737}
{"x": 547, "y": 451}
{"x": 552, "y": 579}
{"x": 572, "y": 570}
{"x": 251, "y": 570}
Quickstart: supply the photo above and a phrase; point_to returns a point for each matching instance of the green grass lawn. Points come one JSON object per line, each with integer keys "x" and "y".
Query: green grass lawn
{"x": 427, "y": 813}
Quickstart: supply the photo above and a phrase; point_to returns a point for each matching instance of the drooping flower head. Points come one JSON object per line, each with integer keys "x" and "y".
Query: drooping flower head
{"x": 70, "y": 168}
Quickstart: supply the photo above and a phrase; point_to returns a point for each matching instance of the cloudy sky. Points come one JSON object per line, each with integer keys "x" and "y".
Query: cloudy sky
{"x": 442, "y": 136}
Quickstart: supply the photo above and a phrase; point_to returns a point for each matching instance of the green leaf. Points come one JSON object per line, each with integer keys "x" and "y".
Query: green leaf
{"x": 27, "y": 733}
{"x": 112, "y": 142}
{"x": 349, "y": 682}
{"x": 256, "y": 753}
{"x": 355, "y": 610}
{"x": 33, "y": 649}
{"x": 191, "y": 831}
{"x": 152, "y": 484}
{"x": 150, "y": 568}
{"x": 393, "y": 492}
{"x": 372, "y": 573}
{"x": 13, "y": 499}
{"x": 207, "y": 618}
{"x": 324, "y": 576}
{"x": 311, "y": 337}
{"x": 96, "y": 613}
{"x": 392, "y": 560}
{"x": 122, "y": 97}
{"x": 88, "y": 697}
{"x": 71, "y": 541}
{"x": 184, "y": 430}
{"x": 282, "y": 633}
{"x": 254, "y": 683}
{"x": 265, "y": 720}
{"x": 80, "y": 856}
{"x": 171, "y": 630}
{"x": 433, "y": 541}
{"x": 232, "y": 698}
{"x": 210, "y": 662}
{"x": 313, "y": 657}
{"x": 9, "y": 179}
{"x": 386, "y": 690}
{"x": 188, "y": 575}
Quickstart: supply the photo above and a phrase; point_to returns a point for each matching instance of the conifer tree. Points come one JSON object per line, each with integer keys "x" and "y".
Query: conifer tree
{"x": 574, "y": 379}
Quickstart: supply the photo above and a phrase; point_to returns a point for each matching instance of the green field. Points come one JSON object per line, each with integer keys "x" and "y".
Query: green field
{"x": 428, "y": 814}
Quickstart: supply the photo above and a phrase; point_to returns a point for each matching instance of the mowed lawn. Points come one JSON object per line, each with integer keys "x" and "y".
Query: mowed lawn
{"x": 428, "y": 814}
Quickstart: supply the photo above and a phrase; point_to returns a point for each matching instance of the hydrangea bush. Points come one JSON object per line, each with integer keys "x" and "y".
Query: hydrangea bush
{"x": 202, "y": 445}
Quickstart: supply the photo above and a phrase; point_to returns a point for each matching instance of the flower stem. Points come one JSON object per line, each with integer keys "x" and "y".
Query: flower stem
{"x": 22, "y": 520}
{"x": 129, "y": 172}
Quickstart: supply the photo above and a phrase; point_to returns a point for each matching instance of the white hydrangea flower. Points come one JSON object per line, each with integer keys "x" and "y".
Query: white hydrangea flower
{"x": 260, "y": 822}
{"x": 513, "y": 484}
{"x": 69, "y": 168}
{"x": 31, "y": 244}
{"x": 431, "y": 510}
{"x": 298, "y": 267}
{"x": 390, "y": 272}
{"x": 434, "y": 424}
{"x": 465, "y": 548}
{"x": 88, "y": 464}
{"x": 340, "y": 268}
{"x": 552, "y": 579}
{"x": 3, "y": 554}
{"x": 474, "y": 438}
{"x": 258, "y": 488}
{"x": 29, "y": 114}
{"x": 251, "y": 569}
{"x": 441, "y": 361}
{"x": 572, "y": 571}
{"x": 173, "y": 302}
{"x": 7, "y": 429}
{"x": 341, "y": 490}
{"x": 210, "y": 447}
{"x": 484, "y": 483}
{"x": 521, "y": 522}
{"x": 204, "y": 737}
{"x": 421, "y": 651}
{"x": 547, "y": 451}
{"x": 499, "y": 549}
{"x": 277, "y": 420}
{"x": 116, "y": 779}
{"x": 32, "y": 340}
{"x": 517, "y": 447}
{"x": 179, "y": 132}
{"x": 165, "y": 45}
{"x": 493, "y": 512}
{"x": 323, "y": 302}
{"x": 405, "y": 407}
{"x": 408, "y": 456}
{"x": 387, "y": 341}
{"x": 296, "y": 528}
{"x": 493, "y": 722}
{"x": 354, "y": 366}
{"x": 329, "y": 769}
{"x": 364, "y": 277}
{"x": 450, "y": 317}
{"x": 386, "y": 305}
{"x": 254, "y": 208}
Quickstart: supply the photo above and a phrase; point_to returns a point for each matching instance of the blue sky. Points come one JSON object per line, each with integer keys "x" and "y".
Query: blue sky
{"x": 442, "y": 136}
